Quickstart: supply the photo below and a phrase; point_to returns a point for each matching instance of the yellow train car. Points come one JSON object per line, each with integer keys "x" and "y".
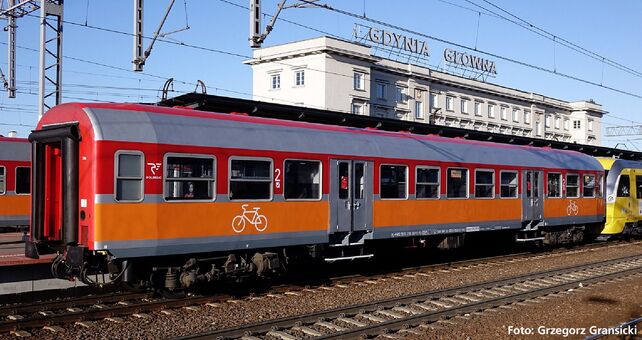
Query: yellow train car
{"x": 623, "y": 197}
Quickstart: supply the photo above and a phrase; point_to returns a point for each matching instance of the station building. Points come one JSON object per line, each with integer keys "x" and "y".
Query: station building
{"x": 340, "y": 75}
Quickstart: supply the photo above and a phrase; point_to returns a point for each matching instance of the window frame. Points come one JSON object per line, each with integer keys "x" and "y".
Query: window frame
{"x": 463, "y": 105}
{"x": 244, "y": 158}
{"x": 419, "y": 114}
{"x": 272, "y": 77}
{"x": 515, "y": 114}
{"x": 579, "y": 185}
{"x": 478, "y": 105}
{"x": 4, "y": 180}
{"x": 493, "y": 184}
{"x": 362, "y": 81}
{"x": 584, "y": 186}
{"x": 491, "y": 111}
{"x": 433, "y": 100}
{"x": 380, "y": 85}
{"x": 320, "y": 180}
{"x": 407, "y": 182}
{"x": 426, "y": 183}
{"x": 517, "y": 191}
{"x": 190, "y": 155}
{"x": 296, "y": 78}
{"x": 561, "y": 187}
{"x": 15, "y": 180}
{"x": 617, "y": 185}
{"x": 503, "y": 113}
{"x": 116, "y": 178}
{"x": 467, "y": 183}
{"x": 450, "y": 99}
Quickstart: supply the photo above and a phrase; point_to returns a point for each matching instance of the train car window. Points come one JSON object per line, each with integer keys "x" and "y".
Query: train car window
{"x": 599, "y": 184}
{"x": 359, "y": 181}
{"x": 344, "y": 180}
{"x": 302, "y": 180}
{"x": 554, "y": 185}
{"x": 393, "y": 181}
{"x": 638, "y": 187}
{"x": 484, "y": 184}
{"x": 623, "y": 185}
{"x": 129, "y": 176}
{"x": 588, "y": 185}
{"x": 23, "y": 180}
{"x": 457, "y": 185}
{"x": 189, "y": 178}
{"x": 427, "y": 183}
{"x": 2, "y": 182}
{"x": 250, "y": 179}
{"x": 508, "y": 181}
{"x": 573, "y": 186}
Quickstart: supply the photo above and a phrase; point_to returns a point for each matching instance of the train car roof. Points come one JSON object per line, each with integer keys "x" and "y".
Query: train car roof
{"x": 15, "y": 149}
{"x": 182, "y": 126}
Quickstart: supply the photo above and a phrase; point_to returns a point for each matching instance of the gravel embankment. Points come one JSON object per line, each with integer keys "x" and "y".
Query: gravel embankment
{"x": 184, "y": 322}
{"x": 578, "y": 314}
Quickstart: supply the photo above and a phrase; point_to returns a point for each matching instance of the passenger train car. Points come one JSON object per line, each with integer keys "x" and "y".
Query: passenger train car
{"x": 15, "y": 161}
{"x": 184, "y": 196}
{"x": 623, "y": 197}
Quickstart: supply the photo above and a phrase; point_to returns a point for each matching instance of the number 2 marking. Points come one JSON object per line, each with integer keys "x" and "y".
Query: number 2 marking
{"x": 277, "y": 178}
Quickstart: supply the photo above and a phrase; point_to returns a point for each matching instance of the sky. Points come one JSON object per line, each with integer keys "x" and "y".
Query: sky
{"x": 97, "y": 48}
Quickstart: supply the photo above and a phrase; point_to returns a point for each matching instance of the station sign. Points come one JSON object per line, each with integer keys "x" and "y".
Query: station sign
{"x": 471, "y": 61}
{"x": 391, "y": 39}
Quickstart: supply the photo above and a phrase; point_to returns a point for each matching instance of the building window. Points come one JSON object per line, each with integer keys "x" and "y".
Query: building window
{"x": 3, "y": 187}
{"x": 419, "y": 109}
{"x": 450, "y": 103}
{"x": 380, "y": 89}
{"x": 434, "y": 101}
{"x": 508, "y": 181}
{"x": 577, "y": 124}
{"x": 464, "y": 106}
{"x": 590, "y": 125}
{"x": 547, "y": 121}
{"x": 527, "y": 117}
{"x": 23, "y": 180}
{"x": 516, "y": 115}
{"x": 302, "y": 180}
{"x": 457, "y": 185}
{"x": 567, "y": 124}
{"x": 359, "y": 80}
{"x": 250, "y": 179}
{"x": 189, "y": 178}
{"x": 393, "y": 181}
{"x": 538, "y": 129}
{"x": 381, "y": 111}
{"x": 554, "y": 185}
{"x": 129, "y": 176}
{"x": 491, "y": 111}
{"x": 299, "y": 78}
{"x": 357, "y": 108}
{"x": 504, "y": 113}
{"x": 557, "y": 122}
{"x": 400, "y": 94}
{"x": 573, "y": 186}
{"x": 275, "y": 81}
{"x": 478, "y": 109}
{"x": 427, "y": 184}
{"x": 484, "y": 184}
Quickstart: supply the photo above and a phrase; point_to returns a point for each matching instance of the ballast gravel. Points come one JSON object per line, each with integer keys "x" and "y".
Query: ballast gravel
{"x": 183, "y": 322}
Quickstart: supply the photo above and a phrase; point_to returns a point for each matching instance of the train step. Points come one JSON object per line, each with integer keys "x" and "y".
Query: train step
{"x": 348, "y": 258}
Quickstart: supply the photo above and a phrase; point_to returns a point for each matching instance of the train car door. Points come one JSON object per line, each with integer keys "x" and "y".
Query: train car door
{"x": 351, "y": 192}
{"x": 532, "y": 195}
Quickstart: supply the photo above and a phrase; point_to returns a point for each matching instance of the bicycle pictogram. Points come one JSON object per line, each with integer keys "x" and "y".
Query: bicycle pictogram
{"x": 252, "y": 217}
{"x": 572, "y": 208}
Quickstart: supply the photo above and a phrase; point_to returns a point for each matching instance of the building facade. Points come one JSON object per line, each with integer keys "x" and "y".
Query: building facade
{"x": 339, "y": 75}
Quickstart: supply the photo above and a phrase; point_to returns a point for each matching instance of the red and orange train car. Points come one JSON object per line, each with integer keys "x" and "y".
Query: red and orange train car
{"x": 15, "y": 176}
{"x": 196, "y": 196}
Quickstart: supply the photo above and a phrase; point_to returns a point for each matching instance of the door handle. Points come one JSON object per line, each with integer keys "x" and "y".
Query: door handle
{"x": 357, "y": 205}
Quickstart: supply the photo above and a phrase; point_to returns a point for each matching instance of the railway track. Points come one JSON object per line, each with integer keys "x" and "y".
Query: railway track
{"x": 406, "y": 314}
{"x": 112, "y": 306}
